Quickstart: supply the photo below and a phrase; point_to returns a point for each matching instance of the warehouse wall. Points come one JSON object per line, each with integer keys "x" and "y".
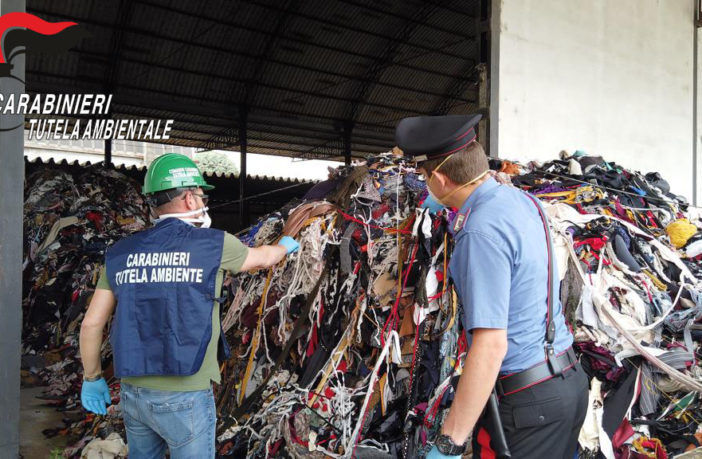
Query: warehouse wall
{"x": 609, "y": 77}
{"x": 697, "y": 89}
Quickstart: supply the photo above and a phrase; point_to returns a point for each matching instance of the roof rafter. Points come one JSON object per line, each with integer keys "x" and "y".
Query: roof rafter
{"x": 305, "y": 71}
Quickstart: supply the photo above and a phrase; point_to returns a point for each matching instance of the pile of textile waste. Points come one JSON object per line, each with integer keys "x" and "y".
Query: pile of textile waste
{"x": 347, "y": 347}
{"x": 629, "y": 260}
{"x": 353, "y": 345}
{"x": 69, "y": 221}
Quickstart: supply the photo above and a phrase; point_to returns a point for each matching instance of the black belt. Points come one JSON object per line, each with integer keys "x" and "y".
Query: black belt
{"x": 555, "y": 366}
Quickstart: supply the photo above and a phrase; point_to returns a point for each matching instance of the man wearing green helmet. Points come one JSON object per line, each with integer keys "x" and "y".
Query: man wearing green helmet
{"x": 163, "y": 285}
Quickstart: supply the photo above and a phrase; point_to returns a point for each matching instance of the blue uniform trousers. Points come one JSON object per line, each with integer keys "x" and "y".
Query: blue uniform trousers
{"x": 542, "y": 421}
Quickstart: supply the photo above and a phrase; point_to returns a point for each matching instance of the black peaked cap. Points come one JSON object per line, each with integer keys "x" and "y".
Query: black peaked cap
{"x": 430, "y": 137}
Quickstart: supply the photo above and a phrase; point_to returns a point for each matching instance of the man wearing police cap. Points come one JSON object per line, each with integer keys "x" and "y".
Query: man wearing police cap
{"x": 504, "y": 271}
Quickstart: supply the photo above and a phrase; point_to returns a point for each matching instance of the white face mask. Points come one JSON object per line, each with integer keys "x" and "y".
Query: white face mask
{"x": 433, "y": 196}
{"x": 442, "y": 200}
{"x": 206, "y": 220}
{"x": 203, "y": 219}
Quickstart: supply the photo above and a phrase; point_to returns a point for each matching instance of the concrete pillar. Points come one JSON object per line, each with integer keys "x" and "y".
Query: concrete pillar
{"x": 11, "y": 206}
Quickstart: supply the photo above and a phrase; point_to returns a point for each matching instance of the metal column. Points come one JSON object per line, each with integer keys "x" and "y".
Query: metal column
{"x": 348, "y": 129}
{"x": 495, "y": 15}
{"x": 108, "y": 152}
{"x": 243, "y": 208}
{"x": 695, "y": 92}
{"x": 11, "y": 206}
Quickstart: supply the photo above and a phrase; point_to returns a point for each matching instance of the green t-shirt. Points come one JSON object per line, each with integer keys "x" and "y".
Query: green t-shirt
{"x": 233, "y": 255}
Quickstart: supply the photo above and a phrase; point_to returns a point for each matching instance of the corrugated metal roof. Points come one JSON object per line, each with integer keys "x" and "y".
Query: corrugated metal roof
{"x": 273, "y": 179}
{"x": 302, "y": 69}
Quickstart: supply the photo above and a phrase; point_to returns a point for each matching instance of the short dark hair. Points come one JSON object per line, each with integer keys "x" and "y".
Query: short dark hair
{"x": 462, "y": 166}
{"x": 164, "y": 197}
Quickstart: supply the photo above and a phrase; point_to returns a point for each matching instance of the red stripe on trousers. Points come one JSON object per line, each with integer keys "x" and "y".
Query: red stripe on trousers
{"x": 484, "y": 441}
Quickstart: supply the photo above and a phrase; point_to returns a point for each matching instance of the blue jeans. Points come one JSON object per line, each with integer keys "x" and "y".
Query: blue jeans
{"x": 183, "y": 421}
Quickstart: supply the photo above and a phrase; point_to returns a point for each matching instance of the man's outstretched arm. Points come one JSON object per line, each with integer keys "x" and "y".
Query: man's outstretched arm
{"x": 91, "y": 330}
{"x": 269, "y": 255}
{"x": 95, "y": 394}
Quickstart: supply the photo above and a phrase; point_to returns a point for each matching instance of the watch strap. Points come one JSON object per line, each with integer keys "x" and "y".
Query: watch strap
{"x": 446, "y": 446}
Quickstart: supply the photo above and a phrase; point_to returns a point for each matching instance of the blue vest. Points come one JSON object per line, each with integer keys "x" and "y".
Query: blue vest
{"x": 164, "y": 282}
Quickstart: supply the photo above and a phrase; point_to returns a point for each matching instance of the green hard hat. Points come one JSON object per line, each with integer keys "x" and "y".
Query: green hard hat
{"x": 170, "y": 171}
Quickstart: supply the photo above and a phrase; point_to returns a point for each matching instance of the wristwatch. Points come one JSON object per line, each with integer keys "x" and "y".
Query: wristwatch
{"x": 447, "y": 447}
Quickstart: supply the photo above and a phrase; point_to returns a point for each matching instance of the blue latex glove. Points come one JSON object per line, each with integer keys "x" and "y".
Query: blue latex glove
{"x": 434, "y": 453}
{"x": 290, "y": 244}
{"x": 95, "y": 396}
{"x": 432, "y": 204}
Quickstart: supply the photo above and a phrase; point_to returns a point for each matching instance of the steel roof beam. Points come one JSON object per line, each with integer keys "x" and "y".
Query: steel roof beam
{"x": 215, "y": 20}
{"x": 345, "y": 77}
{"x": 327, "y": 22}
{"x": 281, "y": 123}
{"x": 280, "y": 88}
{"x": 304, "y": 135}
{"x": 180, "y": 133}
{"x": 303, "y": 141}
{"x": 411, "y": 19}
{"x": 252, "y": 86}
{"x": 124, "y": 14}
{"x": 222, "y": 49}
{"x": 139, "y": 103}
{"x": 307, "y": 153}
{"x": 199, "y": 100}
{"x": 380, "y": 64}
{"x": 442, "y": 4}
{"x": 283, "y": 21}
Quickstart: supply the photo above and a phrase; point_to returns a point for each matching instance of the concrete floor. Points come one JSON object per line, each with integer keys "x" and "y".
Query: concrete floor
{"x": 33, "y": 419}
